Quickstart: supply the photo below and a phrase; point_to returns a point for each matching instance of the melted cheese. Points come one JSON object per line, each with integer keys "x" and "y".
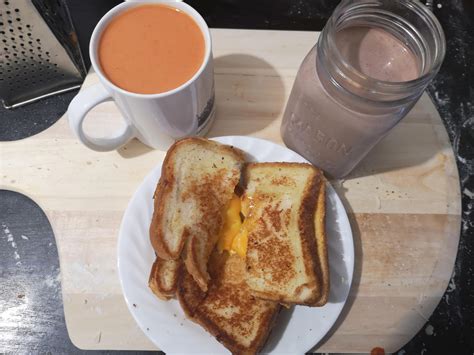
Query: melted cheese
{"x": 234, "y": 234}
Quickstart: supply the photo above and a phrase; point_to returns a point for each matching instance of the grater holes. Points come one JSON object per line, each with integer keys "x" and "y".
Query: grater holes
{"x": 17, "y": 10}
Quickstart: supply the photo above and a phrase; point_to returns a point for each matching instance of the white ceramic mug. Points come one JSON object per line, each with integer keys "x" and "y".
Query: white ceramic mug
{"x": 156, "y": 119}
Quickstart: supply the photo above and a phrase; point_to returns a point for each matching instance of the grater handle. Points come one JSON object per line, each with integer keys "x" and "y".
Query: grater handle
{"x": 85, "y": 101}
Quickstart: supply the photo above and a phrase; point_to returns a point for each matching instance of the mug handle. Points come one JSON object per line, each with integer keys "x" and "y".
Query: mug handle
{"x": 82, "y": 103}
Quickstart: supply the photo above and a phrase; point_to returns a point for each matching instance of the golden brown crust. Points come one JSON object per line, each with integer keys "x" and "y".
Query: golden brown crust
{"x": 164, "y": 187}
{"x": 321, "y": 242}
{"x": 268, "y": 319}
{"x": 308, "y": 235}
{"x": 156, "y": 281}
{"x": 228, "y": 289}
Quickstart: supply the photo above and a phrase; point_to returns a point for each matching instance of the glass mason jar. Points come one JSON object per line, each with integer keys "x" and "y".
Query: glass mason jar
{"x": 372, "y": 62}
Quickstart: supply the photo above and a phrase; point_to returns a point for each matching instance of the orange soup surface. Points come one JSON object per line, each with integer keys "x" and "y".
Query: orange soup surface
{"x": 151, "y": 49}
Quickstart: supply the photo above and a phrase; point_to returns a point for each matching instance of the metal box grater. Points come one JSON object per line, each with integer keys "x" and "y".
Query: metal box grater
{"x": 39, "y": 51}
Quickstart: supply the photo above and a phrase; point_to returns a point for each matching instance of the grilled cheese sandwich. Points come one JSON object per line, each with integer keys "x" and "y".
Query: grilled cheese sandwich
{"x": 236, "y": 258}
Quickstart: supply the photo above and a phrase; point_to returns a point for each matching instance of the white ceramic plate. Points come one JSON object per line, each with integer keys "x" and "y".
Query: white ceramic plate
{"x": 298, "y": 330}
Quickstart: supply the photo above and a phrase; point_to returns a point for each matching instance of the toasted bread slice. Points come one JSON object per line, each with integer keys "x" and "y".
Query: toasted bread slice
{"x": 228, "y": 311}
{"x": 164, "y": 278}
{"x": 321, "y": 244}
{"x": 282, "y": 254}
{"x": 197, "y": 182}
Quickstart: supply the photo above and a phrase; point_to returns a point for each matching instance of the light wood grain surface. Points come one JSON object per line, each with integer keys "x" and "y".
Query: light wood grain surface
{"x": 403, "y": 202}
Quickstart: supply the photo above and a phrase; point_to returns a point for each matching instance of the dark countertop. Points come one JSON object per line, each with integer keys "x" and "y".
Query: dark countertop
{"x": 30, "y": 296}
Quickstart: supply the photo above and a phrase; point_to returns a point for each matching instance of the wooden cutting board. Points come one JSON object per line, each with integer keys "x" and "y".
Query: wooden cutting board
{"x": 403, "y": 202}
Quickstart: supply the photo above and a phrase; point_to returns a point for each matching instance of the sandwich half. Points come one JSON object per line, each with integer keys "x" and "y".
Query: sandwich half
{"x": 229, "y": 311}
{"x": 284, "y": 208}
{"x": 196, "y": 185}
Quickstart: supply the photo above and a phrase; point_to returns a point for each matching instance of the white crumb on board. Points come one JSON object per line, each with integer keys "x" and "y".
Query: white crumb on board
{"x": 442, "y": 101}
{"x": 5, "y": 229}
{"x": 446, "y": 298}
{"x": 7, "y": 233}
{"x": 24, "y": 237}
{"x": 468, "y": 193}
{"x": 429, "y": 329}
{"x": 52, "y": 281}
{"x": 452, "y": 285}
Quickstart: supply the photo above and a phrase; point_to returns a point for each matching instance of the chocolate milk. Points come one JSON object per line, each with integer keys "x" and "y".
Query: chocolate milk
{"x": 330, "y": 131}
